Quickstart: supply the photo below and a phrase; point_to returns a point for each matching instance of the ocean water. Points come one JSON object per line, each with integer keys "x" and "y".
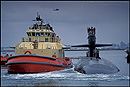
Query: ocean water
{"x": 69, "y": 77}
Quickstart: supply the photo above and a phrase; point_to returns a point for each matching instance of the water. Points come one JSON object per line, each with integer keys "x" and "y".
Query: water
{"x": 69, "y": 77}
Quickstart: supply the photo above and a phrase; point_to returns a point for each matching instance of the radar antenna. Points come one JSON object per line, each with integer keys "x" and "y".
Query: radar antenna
{"x": 38, "y": 18}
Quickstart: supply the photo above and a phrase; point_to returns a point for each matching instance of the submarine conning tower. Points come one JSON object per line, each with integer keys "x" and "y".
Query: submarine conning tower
{"x": 93, "y": 51}
{"x": 91, "y": 40}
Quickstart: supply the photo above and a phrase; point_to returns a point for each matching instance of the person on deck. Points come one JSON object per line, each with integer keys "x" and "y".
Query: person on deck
{"x": 89, "y": 30}
{"x": 94, "y": 30}
{"x": 97, "y": 53}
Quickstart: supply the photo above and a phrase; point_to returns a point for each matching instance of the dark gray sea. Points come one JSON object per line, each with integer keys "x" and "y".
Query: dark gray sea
{"x": 69, "y": 77}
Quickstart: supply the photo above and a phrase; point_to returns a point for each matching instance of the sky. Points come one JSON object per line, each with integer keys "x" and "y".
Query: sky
{"x": 110, "y": 18}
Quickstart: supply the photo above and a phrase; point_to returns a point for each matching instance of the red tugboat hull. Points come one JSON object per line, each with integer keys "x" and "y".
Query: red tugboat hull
{"x": 29, "y": 63}
{"x": 3, "y": 60}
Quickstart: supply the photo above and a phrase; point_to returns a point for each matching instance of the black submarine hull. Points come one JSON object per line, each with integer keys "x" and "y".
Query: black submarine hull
{"x": 96, "y": 66}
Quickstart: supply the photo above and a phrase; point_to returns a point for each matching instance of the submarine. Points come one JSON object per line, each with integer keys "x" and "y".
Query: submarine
{"x": 92, "y": 63}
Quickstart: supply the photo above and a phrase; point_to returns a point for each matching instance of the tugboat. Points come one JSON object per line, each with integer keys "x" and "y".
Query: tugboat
{"x": 42, "y": 51}
{"x": 4, "y": 59}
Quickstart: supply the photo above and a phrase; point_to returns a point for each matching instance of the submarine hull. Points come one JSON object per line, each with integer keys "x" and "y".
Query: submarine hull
{"x": 96, "y": 66}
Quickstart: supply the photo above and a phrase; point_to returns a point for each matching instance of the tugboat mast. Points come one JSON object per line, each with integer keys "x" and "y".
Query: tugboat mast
{"x": 38, "y": 18}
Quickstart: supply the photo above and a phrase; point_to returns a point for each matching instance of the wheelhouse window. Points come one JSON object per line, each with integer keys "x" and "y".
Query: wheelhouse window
{"x": 48, "y": 34}
{"x": 33, "y": 34}
{"x": 41, "y": 34}
{"x": 46, "y": 39}
{"x": 45, "y": 34}
{"x": 51, "y": 39}
{"x": 53, "y": 35}
{"x": 29, "y": 34}
{"x": 37, "y": 34}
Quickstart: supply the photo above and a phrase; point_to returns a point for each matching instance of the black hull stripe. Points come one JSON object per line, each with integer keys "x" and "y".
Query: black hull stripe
{"x": 4, "y": 61}
{"x": 31, "y": 55}
{"x": 33, "y": 62}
